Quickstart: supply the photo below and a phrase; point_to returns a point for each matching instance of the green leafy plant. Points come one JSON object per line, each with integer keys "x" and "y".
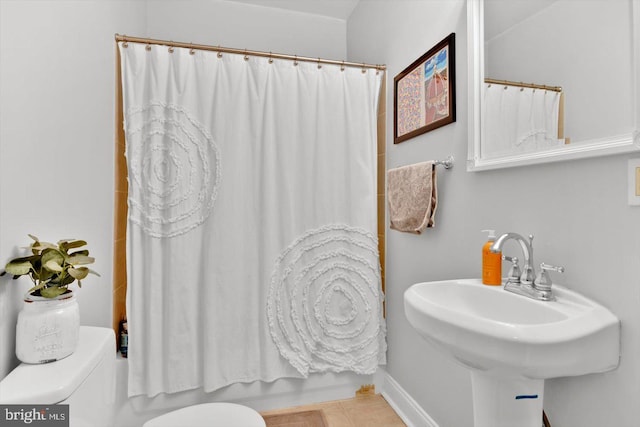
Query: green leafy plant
{"x": 52, "y": 268}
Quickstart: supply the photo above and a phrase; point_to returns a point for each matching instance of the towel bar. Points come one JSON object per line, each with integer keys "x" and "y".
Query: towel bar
{"x": 447, "y": 163}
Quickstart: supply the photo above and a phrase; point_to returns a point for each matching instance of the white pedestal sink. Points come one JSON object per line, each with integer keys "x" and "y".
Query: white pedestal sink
{"x": 513, "y": 343}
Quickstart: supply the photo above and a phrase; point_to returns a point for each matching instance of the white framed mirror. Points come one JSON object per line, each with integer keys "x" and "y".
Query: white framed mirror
{"x": 582, "y": 58}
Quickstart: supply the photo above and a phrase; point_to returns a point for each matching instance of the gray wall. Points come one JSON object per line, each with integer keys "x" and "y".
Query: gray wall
{"x": 57, "y": 103}
{"x": 577, "y": 211}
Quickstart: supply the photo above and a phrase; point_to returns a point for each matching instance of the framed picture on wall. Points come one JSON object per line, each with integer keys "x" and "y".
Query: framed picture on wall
{"x": 425, "y": 92}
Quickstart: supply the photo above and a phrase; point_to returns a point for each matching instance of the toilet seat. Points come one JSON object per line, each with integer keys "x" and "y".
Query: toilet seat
{"x": 209, "y": 415}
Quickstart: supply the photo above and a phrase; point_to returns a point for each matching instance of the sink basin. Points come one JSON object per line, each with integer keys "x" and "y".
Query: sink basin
{"x": 489, "y": 329}
{"x": 512, "y": 343}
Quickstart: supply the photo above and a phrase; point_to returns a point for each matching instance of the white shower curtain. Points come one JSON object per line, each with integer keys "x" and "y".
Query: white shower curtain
{"x": 519, "y": 120}
{"x": 251, "y": 240}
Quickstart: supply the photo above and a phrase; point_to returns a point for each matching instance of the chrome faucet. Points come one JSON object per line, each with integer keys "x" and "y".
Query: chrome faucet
{"x": 528, "y": 273}
{"x": 527, "y": 283}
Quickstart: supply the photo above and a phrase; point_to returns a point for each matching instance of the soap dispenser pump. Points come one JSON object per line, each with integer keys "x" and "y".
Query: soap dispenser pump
{"x": 491, "y": 262}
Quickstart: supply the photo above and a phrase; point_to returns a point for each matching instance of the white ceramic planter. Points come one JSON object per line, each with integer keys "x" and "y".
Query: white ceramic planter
{"x": 47, "y": 328}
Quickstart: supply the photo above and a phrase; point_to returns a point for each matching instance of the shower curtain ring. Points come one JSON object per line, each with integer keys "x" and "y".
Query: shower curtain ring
{"x": 363, "y": 68}
{"x": 148, "y": 47}
{"x": 246, "y": 57}
{"x": 342, "y": 66}
{"x": 270, "y": 58}
{"x": 219, "y": 54}
{"x": 170, "y": 49}
{"x": 192, "y": 51}
{"x": 319, "y": 65}
{"x": 295, "y": 61}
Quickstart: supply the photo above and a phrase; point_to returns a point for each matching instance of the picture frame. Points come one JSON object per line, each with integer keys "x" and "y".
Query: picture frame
{"x": 425, "y": 92}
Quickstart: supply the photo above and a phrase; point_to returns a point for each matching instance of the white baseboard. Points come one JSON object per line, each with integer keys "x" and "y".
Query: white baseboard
{"x": 408, "y": 409}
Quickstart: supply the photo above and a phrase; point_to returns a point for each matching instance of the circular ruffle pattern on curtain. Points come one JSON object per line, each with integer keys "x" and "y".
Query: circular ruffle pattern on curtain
{"x": 324, "y": 304}
{"x": 174, "y": 169}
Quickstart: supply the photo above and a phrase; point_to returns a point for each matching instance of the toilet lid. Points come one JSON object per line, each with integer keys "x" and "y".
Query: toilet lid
{"x": 209, "y": 415}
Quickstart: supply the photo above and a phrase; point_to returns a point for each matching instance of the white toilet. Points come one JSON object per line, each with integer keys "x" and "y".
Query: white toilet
{"x": 209, "y": 415}
{"x": 85, "y": 381}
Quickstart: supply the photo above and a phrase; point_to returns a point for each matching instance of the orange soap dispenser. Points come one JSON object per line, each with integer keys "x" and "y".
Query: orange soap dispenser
{"x": 491, "y": 262}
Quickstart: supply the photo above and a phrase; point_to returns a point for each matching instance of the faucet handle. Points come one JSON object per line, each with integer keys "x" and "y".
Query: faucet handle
{"x": 547, "y": 267}
{"x": 543, "y": 281}
{"x": 514, "y": 271}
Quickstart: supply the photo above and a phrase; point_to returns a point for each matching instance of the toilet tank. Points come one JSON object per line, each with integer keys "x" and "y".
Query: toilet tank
{"x": 85, "y": 380}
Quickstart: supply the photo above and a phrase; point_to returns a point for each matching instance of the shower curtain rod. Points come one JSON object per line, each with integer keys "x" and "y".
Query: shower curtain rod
{"x": 521, "y": 84}
{"x": 246, "y": 52}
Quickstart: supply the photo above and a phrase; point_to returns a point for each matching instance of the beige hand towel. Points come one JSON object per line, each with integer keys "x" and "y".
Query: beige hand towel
{"x": 412, "y": 196}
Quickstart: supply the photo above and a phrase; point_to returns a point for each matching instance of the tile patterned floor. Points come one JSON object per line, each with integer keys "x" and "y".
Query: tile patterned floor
{"x": 307, "y": 418}
{"x": 361, "y": 411}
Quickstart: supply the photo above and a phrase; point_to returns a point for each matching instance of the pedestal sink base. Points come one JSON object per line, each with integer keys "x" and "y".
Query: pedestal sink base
{"x": 506, "y": 402}
{"x": 513, "y": 343}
